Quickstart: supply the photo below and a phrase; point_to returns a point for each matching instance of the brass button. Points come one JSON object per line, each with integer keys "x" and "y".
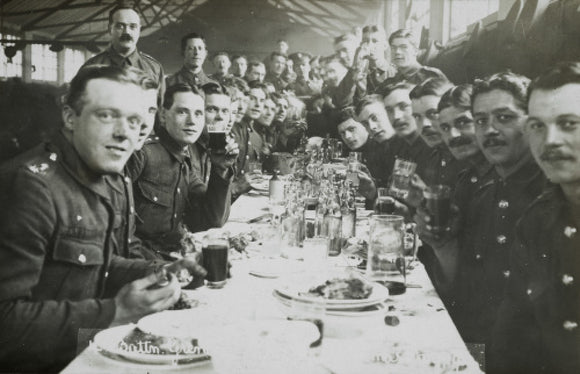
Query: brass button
{"x": 503, "y": 204}
{"x": 82, "y": 258}
{"x": 478, "y": 256}
{"x": 53, "y": 156}
{"x": 567, "y": 279}
{"x": 501, "y": 239}
{"x": 79, "y": 218}
{"x": 155, "y": 198}
{"x": 474, "y": 179}
{"x": 570, "y": 231}
{"x": 569, "y": 325}
{"x": 506, "y": 273}
{"x": 178, "y": 190}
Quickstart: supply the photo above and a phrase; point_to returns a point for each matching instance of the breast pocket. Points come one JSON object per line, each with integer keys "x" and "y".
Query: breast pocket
{"x": 154, "y": 208}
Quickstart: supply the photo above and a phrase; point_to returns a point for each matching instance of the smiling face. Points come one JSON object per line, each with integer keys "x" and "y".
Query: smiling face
{"x": 194, "y": 53}
{"x": 499, "y": 125}
{"x": 398, "y": 106}
{"x": 553, "y": 130}
{"x": 269, "y": 112}
{"x": 353, "y": 134}
{"x": 106, "y": 130}
{"x": 458, "y": 132}
{"x": 375, "y": 119}
{"x": 426, "y": 116}
{"x": 124, "y": 30}
{"x": 282, "y": 109}
{"x": 256, "y": 100}
{"x": 403, "y": 53}
{"x": 185, "y": 119}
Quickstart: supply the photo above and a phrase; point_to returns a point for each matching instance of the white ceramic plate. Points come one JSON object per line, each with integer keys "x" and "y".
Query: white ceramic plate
{"x": 107, "y": 342}
{"x": 293, "y": 288}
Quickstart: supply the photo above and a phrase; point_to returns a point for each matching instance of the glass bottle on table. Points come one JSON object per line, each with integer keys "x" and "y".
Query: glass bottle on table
{"x": 348, "y": 212}
{"x": 333, "y": 225}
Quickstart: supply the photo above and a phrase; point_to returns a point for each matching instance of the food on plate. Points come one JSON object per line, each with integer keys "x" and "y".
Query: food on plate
{"x": 138, "y": 341}
{"x": 345, "y": 288}
{"x": 355, "y": 245}
{"x": 240, "y": 242}
{"x": 184, "y": 302}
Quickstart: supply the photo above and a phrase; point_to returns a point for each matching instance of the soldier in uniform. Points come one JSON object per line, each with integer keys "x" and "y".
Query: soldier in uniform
{"x": 194, "y": 52}
{"x": 404, "y": 56}
{"x": 538, "y": 322}
{"x": 256, "y": 72}
{"x": 166, "y": 182}
{"x": 64, "y": 223}
{"x": 124, "y": 29}
{"x": 276, "y": 67}
{"x": 478, "y": 261}
{"x": 222, "y": 63}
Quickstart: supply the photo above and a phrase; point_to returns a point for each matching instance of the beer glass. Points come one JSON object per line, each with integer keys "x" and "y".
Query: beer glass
{"x": 386, "y": 261}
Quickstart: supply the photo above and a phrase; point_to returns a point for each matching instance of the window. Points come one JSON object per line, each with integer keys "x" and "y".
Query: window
{"x": 44, "y": 63}
{"x": 466, "y": 12}
{"x": 73, "y": 60}
{"x": 10, "y": 67}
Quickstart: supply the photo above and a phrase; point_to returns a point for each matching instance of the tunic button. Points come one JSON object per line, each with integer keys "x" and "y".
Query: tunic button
{"x": 506, "y": 273}
{"x": 52, "y": 156}
{"x": 474, "y": 179}
{"x": 503, "y": 204}
{"x": 127, "y": 180}
{"x": 249, "y": 143}
{"x": 478, "y": 256}
{"x": 570, "y": 231}
{"x": 129, "y": 241}
{"x": 106, "y": 274}
{"x": 242, "y": 172}
{"x": 155, "y": 198}
{"x": 501, "y": 239}
{"x": 82, "y": 258}
{"x": 132, "y": 209}
{"x": 247, "y": 157}
{"x": 79, "y": 218}
{"x": 567, "y": 279}
{"x": 529, "y": 291}
{"x": 178, "y": 190}
{"x": 443, "y": 163}
{"x": 175, "y": 216}
{"x": 569, "y": 325}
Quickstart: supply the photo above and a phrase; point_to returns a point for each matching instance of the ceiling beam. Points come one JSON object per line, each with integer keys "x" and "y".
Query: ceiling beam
{"x": 62, "y": 24}
{"x": 62, "y": 6}
{"x": 50, "y": 9}
{"x": 89, "y": 18}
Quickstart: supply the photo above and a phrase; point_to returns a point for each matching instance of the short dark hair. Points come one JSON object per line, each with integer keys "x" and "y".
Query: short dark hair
{"x": 368, "y": 100}
{"x": 169, "y": 96}
{"x": 389, "y": 88}
{"x": 514, "y": 84}
{"x": 120, "y": 7}
{"x": 345, "y": 114}
{"x": 191, "y": 35}
{"x": 236, "y": 82}
{"x": 458, "y": 97}
{"x": 430, "y": 87}
{"x": 344, "y": 37}
{"x": 222, "y": 53}
{"x": 403, "y": 33}
{"x": 235, "y": 57}
{"x": 78, "y": 85}
{"x": 556, "y": 76}
{"x": 276, "y": 53}
{"x": 373, "y": 28}
{"x": 214, "y": 88}
{"x": 252, "y": 64}
{"x": 255, "y": 84}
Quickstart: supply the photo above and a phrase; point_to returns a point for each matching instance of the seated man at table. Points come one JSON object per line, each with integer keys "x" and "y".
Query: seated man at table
{"x": 477, "y": 261}
{"x": 165, "y": 181}
{"x": 537, "y": 329}
{"x": 64, "y": 217}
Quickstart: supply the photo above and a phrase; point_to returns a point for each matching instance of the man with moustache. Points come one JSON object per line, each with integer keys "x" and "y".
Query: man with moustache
{"x": 124, "y": 30}
{"x": 372, "y": 115}
{"x": 537, "y": 329}
{"x": 241, "y": 132}
{"x": 64, "y": 222}
{"x": 404, "y": 56}
{"x": 407, "y": 144}
{"x": 194, "y": 53}
{"x": 222, "y": 63}
{"x": 441, "y": 168}
{"x": 166, "y": 182}
{"x": 488, "y": 215}
{"x": 256, "y": 72}
{"x": 239, "y": 66}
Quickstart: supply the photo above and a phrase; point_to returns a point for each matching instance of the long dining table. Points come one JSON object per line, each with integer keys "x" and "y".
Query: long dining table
{"x": 418, "y": 337}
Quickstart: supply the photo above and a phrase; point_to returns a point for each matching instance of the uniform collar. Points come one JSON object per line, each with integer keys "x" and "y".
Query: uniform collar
{"x": 176, "y": 150}
{"x": 98, "y": 183}
{"x": 133, "y": 59}
{"x": 200, "y": 77}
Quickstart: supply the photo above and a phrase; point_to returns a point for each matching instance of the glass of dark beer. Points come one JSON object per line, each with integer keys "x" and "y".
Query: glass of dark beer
{"x": 217, "y": 137}
{"x": 215, "y": 260}
{"x": 385, "y": 203}
{"x": 438, "y": 204}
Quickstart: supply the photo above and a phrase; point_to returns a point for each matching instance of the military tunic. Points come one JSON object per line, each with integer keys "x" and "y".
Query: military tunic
{"x": 60, "y": 229}
{"x": 184, "y": 75}
{"x": 415, "y": 75}
{"x": 137, "y": 59}
{"x": 538, "y": 322}
{"x": 167, "y": 192}
{"x": 488, "y": 217}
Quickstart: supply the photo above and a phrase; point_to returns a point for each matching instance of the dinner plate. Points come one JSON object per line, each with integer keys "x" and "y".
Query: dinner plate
{"x": 262, "y": 185}
{"x": 107, "y": 342}
{"x": 365, "y": 311}
{"x": 294, "y": 287}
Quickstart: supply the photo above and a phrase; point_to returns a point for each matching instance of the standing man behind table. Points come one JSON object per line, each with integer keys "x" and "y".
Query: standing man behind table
{"x": 256, "y": 72}
{"x": 404, "y": 52}
{"x": 64, "y": 219}
{"x": 478, "y": 263}
{"x": 124, "y": 29}
{"x": 165, "y": 181}
{"x": 194, "y": 53}
{"x": 239, "y": 66}
{"x": 538, "y": 322}
{"x": 222, "y": 63}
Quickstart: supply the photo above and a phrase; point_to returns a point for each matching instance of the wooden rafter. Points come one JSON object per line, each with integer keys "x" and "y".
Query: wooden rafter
{"x": 50, "y": 9}
{"x": 29, "y": 26}
{"x": 89, "y": 18}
